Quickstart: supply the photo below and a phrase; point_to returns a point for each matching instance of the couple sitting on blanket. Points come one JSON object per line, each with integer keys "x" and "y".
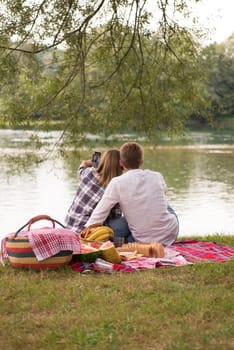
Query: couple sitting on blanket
{"x": 121, "y": 195}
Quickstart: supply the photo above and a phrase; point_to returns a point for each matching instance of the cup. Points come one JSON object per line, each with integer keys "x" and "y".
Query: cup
{"x": 118, "y": 241}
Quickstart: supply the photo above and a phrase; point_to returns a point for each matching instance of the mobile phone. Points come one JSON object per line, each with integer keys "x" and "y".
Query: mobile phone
{"x": 96, "y": 158}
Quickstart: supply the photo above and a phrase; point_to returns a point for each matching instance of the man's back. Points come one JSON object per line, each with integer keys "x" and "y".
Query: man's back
{"x": 141, "y": 195}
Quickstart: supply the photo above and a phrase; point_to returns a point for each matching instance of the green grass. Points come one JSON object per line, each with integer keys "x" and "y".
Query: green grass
{"x": 189, "y": 307}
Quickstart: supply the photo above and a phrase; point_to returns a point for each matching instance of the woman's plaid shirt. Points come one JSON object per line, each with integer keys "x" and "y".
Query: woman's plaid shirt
{"x": 88, "y": 195}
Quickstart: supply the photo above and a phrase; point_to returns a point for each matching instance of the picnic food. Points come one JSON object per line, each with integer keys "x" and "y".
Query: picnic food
{"x": 100, "y": 233}
{"x": 110, "y": 253}
{"x": 153, "y": 249}
{"x": 126, "y": 256}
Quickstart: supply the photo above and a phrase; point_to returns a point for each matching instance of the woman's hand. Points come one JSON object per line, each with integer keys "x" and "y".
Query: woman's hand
{"x": 86, "y": 163}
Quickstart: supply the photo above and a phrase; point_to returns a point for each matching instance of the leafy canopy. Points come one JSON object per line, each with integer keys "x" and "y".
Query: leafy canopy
{"x": 100, "y": 66}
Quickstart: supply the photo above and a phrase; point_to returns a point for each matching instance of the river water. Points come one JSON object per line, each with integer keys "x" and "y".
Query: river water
{"x": 199, "y": 176}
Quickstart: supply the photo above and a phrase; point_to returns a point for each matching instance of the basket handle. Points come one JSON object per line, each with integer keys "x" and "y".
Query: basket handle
{"x": 38, "y": 218}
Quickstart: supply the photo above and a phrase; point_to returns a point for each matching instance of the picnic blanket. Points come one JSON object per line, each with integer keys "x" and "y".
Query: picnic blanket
{"x": 171, "y": 258}
{"x": 198, "y": 251}
{"x": 181, "y": 253}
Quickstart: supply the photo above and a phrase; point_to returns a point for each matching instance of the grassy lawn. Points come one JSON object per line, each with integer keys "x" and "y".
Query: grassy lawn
{"x": 189, "y": 307}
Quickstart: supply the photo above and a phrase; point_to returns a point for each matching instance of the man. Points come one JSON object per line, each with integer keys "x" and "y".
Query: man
{"x": 147, "y": 216}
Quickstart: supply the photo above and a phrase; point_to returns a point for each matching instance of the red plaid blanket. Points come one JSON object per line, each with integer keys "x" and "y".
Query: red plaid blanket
{"x": 172, "y": 259}
{"x": 179, "y": 254}
{"x": 91, "y": 267}
{"x": 195, "y": 251}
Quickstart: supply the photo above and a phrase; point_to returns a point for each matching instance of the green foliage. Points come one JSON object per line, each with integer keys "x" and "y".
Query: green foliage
{"x": 220, "y": 84}
{"x": 97, "y": 67}
{"x": 152, "y": 95}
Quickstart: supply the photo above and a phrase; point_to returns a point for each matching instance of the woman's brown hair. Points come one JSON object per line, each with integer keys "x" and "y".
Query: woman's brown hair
{"x": 109, "y": 166}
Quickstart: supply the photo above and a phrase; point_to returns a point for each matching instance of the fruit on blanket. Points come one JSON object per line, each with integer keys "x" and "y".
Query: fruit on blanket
{"x": 101, "y": 233}
{"x": 87, "y": 230}
{"x": 86, "y": 257}
{"x": 109, "y": 253}
{"x": 88, "y": 254}
{"x": 103, "y": 237}
{"x": 85, "y": 248}
{"x": 106, "y": 251}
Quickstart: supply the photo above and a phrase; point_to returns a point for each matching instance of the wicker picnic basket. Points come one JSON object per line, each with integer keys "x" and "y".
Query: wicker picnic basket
{"x": 21, "y": 255}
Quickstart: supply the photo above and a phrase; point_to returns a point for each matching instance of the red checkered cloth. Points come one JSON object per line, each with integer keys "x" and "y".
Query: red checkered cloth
{"x": 46, "y": 242}
{"x": 91, "y": 267}
{"x": 179, "y": 254}
{"x": 172, "y": 259}
{"x": 198, "y": 251}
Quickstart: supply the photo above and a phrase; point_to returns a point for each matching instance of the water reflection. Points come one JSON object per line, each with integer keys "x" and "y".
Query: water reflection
{"x": 200, "y": 186}
{"x": 200, "y": 182}
{"x": 44, "y": 189}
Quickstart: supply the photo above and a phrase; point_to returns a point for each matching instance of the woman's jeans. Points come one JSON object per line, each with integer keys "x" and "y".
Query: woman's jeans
{"x": 172, "y": 211}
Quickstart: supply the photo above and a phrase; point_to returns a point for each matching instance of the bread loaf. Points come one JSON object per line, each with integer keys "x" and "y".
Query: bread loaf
{"x": 153, "y": 249}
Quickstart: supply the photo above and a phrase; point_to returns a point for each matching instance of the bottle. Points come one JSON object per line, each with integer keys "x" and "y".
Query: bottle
{"x": 104, "y": 266}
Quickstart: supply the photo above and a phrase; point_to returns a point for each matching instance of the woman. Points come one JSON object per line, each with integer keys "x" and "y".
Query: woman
{"x": 91, "y": 189}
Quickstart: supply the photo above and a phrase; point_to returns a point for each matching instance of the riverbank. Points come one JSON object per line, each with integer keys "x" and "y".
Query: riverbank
{"x": 189, "y": 307}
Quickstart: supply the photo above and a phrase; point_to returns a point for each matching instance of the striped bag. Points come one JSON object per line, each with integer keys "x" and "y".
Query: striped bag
{"x": 21, "y": 255}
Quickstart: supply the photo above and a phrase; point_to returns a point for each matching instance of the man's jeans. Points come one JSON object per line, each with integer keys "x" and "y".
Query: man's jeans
{"x": 121, "y": 229}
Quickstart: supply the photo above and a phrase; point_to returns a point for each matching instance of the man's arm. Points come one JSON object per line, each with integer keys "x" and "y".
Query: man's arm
{"x": 108, "y": 201}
